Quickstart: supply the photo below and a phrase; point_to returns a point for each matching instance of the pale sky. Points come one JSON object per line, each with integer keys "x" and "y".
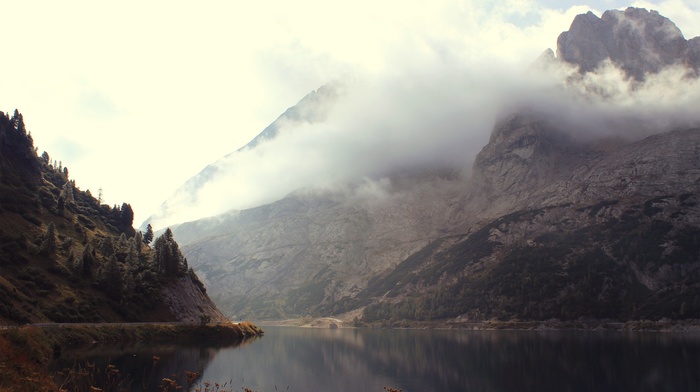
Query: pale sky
{"x": 136, "y": 97}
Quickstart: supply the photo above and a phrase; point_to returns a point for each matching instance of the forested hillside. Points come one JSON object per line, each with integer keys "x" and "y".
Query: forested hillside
{"x": 66, "y": 257}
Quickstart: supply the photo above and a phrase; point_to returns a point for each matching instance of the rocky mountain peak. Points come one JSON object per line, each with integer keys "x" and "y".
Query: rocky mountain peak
{"x": 524, "y": 149}
{"x": 637, "y": 40}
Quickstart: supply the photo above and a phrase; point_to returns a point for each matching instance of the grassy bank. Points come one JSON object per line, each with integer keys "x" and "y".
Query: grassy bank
{"x": 25, "y": 351}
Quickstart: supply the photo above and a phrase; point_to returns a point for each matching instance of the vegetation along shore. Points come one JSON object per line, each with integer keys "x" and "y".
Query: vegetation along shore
{"x": 28, "y": 349}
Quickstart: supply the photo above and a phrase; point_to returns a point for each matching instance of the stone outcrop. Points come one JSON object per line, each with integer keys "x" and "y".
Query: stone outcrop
{"x": 187, "y": 302}
{"x": 637, "y": 40}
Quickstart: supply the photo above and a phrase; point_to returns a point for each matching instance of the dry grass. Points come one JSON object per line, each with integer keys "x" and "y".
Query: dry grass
{"x": 25, "y": 352}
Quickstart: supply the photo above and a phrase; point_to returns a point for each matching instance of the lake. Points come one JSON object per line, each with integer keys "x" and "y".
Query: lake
{"x": 304, "y": 359}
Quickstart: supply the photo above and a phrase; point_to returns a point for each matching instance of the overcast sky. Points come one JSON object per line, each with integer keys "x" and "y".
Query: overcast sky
{"x": 135, "y": 97}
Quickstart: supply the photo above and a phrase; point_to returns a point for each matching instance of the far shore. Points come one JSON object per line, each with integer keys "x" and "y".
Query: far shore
{"x": 664, "y": 325}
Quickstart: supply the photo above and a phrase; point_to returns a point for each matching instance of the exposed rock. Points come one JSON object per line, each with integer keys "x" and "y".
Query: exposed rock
{"x": 547, "y": 226}
{"x": 524, "y": 155}
{"x": 637, "y": 40}
{"x": 314, "y": 254}
{"x": 187, "y": 302}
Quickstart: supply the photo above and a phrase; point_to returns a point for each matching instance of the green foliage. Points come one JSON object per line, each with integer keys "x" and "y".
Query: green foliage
{"x": 148, "y": 235}
{"x": 167, "y": 257}
{"x": 77, "y": 248}
{"x": 562, "y": 275}
{"x": 48, "y": 245}
{"x": 110, "y": 278}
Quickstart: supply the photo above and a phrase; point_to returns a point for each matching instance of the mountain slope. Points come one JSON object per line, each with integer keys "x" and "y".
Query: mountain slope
{"x": 548, "y": 225}
{"x": 311, "y": 109}
{"x": 66, "y": 258}
{"x": 309, "y": 255}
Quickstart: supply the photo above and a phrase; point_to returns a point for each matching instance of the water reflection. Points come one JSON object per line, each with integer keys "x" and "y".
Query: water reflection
{"x": 420, "y": 360}
{"x": 143, "y": 365}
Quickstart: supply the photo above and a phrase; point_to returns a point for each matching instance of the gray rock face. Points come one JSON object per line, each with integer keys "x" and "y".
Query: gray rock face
{"x": 311, "y": 249}
{"x": 546, "y": 226}
{"x": 188, "y": 302}
{"x": 322, "y": 254}
{"x": 524, "y": 155}
{"x": 637, "y": 40}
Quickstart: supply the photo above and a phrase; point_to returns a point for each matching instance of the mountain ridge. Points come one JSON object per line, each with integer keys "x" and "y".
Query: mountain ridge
{"x": 637, "y": 40}
{"x": 187, "y": 194}
{"x": 547, "y": 225}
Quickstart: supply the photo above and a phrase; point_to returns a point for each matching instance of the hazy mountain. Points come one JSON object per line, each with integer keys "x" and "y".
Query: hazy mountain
{"x": 185, "y": 202}
{"x": 64, "y": 257}
{"x": 563, "y": 214}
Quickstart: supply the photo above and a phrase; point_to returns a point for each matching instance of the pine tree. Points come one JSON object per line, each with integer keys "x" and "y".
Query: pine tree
{"x": 122, "y": 243}
{"x": 128, "y": 284}
{"x": 111, "y": 278}
{"x": 71, "y": 261}
{"x": 138, "y": 242}
{"x": 48, "y": 245}
{"x": 18, "y": 122}
{"x": 148, "y": 236}
{"x": 88, "y": 259}
{"x": 127, "y": 215}
{"x": 106, "y": 246}
{"x": 67, "y": 192}
{"x": 167, "y": 256}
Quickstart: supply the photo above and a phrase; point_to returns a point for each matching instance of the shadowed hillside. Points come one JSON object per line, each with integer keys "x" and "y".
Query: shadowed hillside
{"x": 65, "y": 257}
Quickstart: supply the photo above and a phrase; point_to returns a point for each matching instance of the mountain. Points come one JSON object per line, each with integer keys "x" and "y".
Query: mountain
{"x": 637, "y": 40}
{"x": 312, "y": 108}
{"x": 548, "y": 224}
{"x": 65, "y": 257}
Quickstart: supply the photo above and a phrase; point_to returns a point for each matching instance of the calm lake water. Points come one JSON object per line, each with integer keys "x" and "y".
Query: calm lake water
{"x": 301, "y": 359}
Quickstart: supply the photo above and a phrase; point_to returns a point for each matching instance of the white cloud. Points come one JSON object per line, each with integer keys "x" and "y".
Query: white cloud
{"x": 154, "y": 91}
{"x": 685, "y": 14}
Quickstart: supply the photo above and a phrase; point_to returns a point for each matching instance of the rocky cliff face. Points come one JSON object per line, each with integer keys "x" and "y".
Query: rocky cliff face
{"x": 310, "y": 254}
{"x": 546, "y": 226}
{"x": 637, "y": 40}
{"x": 188, "y": 301}
{"x": 313, "y": 248}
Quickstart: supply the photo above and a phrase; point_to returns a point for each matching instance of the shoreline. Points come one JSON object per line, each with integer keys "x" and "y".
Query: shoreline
{"x": 662, "y": 326}
{"x": 27, "y": 349}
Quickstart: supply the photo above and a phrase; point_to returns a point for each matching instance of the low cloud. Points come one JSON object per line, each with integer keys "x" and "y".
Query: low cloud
{"x": 438, "y": 116}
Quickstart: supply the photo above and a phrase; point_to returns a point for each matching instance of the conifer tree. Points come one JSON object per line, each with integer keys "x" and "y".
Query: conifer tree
{"x": 111, "y": 278}
{"x": 122, "y": 244}
{"x": 148, "y": 235}
{"x": 138, "y": 242}
{"x": 18, "y": 122}
{"x": 48, "y": 245}
{"x": 88, "y": 259}
{"x": 106, "y": 246}
{"x": 128, "y": 283}
{"x": 67, "y": 192}
{"x": 72, "y": 262}
{"x": 127, "y": 215}
{"x": 167, "y": 256}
